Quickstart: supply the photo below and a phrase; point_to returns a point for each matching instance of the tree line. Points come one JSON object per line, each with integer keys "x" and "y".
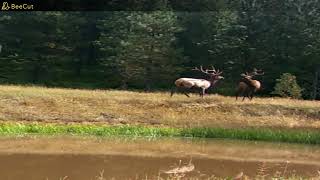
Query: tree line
{"x": 148, "y": 50}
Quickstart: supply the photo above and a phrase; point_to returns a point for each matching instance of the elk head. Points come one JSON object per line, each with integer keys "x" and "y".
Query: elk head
{"x": 212, "y": 73}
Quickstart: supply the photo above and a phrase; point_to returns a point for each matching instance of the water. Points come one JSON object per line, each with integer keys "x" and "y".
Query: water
{"x": 78, "y": 158}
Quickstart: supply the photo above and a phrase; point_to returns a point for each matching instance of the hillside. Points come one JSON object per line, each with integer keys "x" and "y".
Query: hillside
{"x": 53, "y": 105}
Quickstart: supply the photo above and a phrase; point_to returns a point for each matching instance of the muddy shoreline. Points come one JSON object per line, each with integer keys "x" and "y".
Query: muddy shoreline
{"x": 83, "y": 158}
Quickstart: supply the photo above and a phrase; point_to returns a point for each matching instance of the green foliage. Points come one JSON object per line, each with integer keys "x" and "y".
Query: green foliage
{"x": 278, "y": 135}
{"x": 149, "y": 49}
{"x": 287, "y": 86}
{"x": 141, "y": 51}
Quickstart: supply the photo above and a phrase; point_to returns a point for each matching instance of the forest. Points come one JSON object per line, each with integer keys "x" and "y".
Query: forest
{"x": 148, "y": 50}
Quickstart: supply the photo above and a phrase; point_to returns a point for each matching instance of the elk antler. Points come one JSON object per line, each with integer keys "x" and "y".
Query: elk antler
{"x": 243, "y": 74}
{"x": 253, "y": 73}
{"x": 212, "y": 70}
{"x": 218, "y": 72}
{"x": 201, "y": 69}
{"x": 208, "y": 71}
{"x": 256, "y": 71}
{"x": 246, "y": 74}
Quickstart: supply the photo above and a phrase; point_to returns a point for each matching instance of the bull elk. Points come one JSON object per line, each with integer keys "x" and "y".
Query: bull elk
{"x": 247, "y": 85}
{"x": 202, "y": 84}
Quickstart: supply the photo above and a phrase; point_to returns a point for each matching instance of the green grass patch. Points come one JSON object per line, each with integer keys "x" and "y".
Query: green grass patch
{"x": 260, "y": 134}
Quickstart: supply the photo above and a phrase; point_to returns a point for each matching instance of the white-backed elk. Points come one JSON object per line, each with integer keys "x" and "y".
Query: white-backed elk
{"x": 247, "y": 85}
{"x": 184, "y": 84}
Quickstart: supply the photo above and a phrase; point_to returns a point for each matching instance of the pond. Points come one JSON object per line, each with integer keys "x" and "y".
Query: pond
{"x": 89, "y": 158}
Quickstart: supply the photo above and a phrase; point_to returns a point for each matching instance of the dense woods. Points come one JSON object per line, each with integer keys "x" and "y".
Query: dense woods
{"x": 148, "y": 50}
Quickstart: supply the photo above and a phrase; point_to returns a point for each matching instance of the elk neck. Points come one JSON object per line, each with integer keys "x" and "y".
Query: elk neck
{"x": 213, "y": 81}
{"x": 251, "y": 82}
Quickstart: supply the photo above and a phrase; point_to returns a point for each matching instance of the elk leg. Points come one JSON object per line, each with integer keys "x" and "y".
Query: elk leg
{"x": 240, "y": 93}
{"x": 245, "y": 94}
{"x": 203, "y": 92}
{"x": 251, "y": 96}
{"x": 173, "y": 90}
{"x": 184, "y": 91}
{"x": 237, "y": 95}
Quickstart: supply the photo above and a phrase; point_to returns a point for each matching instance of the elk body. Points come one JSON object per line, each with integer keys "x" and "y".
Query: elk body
{"x": 184, "y": 84}
{"x": 247, "y": 85}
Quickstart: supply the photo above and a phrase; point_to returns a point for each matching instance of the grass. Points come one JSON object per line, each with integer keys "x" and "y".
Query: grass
{"x": 113, "y": 112}
{"x": 284, "y": 135}
{"x": 30, "y": 104}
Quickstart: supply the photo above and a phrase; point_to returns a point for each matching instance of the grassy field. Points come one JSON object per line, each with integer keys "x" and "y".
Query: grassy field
{"x": 53, "y": 105}
{"x": 261, "y": 134}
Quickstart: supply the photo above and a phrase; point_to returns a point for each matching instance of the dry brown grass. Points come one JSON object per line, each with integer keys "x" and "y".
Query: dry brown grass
{"x": 20, "y": 103}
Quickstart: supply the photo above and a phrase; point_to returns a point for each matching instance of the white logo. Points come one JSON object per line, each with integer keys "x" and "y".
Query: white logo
{"x": 5, "y": 6}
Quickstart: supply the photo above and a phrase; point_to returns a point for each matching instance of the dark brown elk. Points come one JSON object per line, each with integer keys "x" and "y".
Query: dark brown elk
{"x": 247, "y": 85}
{"x": 183, "y": 84}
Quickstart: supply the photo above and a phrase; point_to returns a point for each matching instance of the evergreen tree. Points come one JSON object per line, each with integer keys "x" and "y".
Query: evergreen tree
{"x": 142, "y": 50}
{"x": 287, "y": 86}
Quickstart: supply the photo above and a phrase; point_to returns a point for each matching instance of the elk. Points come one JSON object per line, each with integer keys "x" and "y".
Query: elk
{"x": 202, "y": 84}
{"x": 247, "y": 85}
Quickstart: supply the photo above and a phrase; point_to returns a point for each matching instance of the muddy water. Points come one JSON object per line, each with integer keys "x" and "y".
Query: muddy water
{"x": 75, "y": 158}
